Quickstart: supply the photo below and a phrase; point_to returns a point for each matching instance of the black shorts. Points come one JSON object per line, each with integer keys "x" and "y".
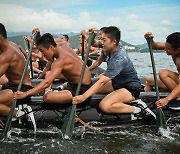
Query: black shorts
{"x": 14, "y": 87}
{"x": 73, "y": 87}
{"x": 135, "y": 92}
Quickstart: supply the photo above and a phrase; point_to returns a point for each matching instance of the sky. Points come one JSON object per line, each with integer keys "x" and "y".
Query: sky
{"x": 133, "y": 17}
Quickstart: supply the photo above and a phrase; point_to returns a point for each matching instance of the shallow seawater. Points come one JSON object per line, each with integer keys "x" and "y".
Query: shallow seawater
{"x": 112, "y": 140}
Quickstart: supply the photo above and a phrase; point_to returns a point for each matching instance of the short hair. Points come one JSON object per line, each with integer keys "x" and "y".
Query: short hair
{"x": 113, "y": 33}
{"x": 3, "y": 31}
{"x": 102, "y": 28}
{"x": 174, "y": 40}
{"x": 66, "y": 36}
{"x": 46, "y": 40}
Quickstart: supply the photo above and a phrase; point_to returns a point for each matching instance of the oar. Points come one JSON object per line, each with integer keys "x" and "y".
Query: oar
{"x": 82, "y": 47}
{"x": 160, "y": 118}
{"x": 69, "y": 120}
{"x": 30, "y": 61}
{"x": 10, "y": 115}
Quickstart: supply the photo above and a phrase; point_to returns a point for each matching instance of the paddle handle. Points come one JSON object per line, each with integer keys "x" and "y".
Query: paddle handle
{"x": 68, "y": 125}
{"x": 91, "y": 38}
{"x": 82, "y": 47}
{"x": 149, "y": 41}
{"x": 30, "y": 60}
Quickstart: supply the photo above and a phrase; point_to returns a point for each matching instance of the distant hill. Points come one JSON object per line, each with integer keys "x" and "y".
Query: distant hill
{"x": 73, "y": 39}
{"x": 142, "y": 46}
{"x": 12, "y": 34}
{"x": 17, "y": 39}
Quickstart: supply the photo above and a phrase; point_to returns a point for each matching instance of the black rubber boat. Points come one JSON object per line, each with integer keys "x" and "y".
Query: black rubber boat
{"x": 53, "y": 114}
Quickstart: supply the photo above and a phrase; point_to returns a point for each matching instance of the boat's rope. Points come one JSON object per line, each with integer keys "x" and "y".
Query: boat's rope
{"x": 77, "y": 119}
{"x": 1, "y": 124}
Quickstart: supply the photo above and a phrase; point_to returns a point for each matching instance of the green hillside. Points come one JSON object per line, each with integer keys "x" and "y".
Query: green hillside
{"x": 72, "y": 39}
{"x": 18, "y": 40}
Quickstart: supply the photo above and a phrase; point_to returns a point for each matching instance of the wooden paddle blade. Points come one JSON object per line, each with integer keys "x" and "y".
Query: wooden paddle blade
{"x": 69, "y": 121}
{"x": 160, "y": 120}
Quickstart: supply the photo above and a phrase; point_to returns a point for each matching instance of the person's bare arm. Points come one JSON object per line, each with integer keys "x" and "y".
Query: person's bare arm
{"x": 98, "y": 61}
{"x": 55, "y": 71}
{"x": 47, "y": 68}
{"x": 174, "y": 94}
{"x": 78, "y": 51}
{"x": 22, "y": 50}
{"x": 92, "y": 90}
{"x": 155, "y": 45}
{"x": 93, "y": 51}
{"x": 86, "y": 36}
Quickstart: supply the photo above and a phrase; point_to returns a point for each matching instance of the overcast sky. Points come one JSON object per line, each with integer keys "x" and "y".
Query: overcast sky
{"x": 133, "y": 17}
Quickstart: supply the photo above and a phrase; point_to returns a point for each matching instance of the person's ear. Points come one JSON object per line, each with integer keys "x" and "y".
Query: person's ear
{"x": 115, "y": 42}
{"x": 51, "y": 47}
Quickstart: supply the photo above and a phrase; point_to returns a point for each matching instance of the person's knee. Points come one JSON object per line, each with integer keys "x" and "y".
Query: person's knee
{"x": 9, "y": 94}
{"x": 47, "y": 97}
{"x": 105, "y": 108}
{"x": 163, "y": 73}
{"x": 150, "y": 81}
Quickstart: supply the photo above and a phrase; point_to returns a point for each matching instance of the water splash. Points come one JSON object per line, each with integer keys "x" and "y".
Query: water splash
{"x": 166, "y": 133}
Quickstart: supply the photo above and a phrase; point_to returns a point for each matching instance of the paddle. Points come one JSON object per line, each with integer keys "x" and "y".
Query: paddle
{"x": 10, "y": 115}
{"x": 82, "y": 47}
{"x": 160, "y": 118}
{"x": 69, "y": 120}
{"x": 30, "y": 61}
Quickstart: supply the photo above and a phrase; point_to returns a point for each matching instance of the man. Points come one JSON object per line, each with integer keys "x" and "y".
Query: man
{"x": 167, "y": 79}
{"x": 93, "y": 50}
{"x": 119, "y": 81}
{"x": 65, "y": 37}
{"x": 103, "y": 53}
{"x": 12, "y": 64}
{"x": 61, "y": 59}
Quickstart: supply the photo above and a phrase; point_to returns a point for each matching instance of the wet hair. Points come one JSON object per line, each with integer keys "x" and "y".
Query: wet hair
{"x": 3, "y": 31}
{"x": 174, "y": 40}
{"x": 46, "y": 40}
{"x": 66, "y": 36}
{"x": 113, "y": 33}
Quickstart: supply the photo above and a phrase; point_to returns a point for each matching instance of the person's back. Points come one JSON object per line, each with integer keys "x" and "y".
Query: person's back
{"x": 71, "y": 64}
{"x": 12, "y": 63}
{"x": 12, "y": 60}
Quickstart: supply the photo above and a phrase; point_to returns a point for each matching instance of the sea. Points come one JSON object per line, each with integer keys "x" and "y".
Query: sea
{"x": 125, "y": 139}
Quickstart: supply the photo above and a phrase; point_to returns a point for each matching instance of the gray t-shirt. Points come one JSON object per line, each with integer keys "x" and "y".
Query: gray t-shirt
{"x": 121, "y": 71}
